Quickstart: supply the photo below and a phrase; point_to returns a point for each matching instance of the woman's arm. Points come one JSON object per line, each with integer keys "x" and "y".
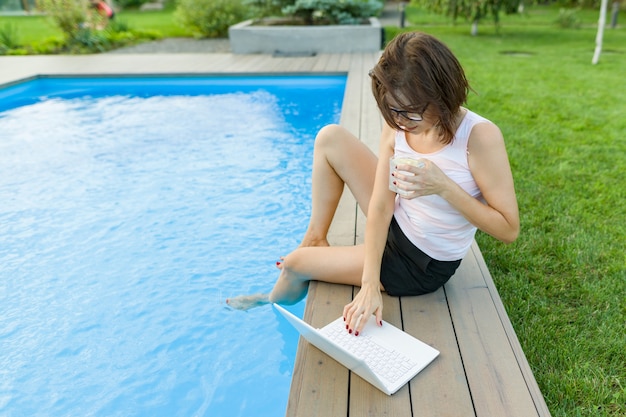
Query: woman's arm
{"x": 380, "y": 211}
{"x": 489, "y": 165}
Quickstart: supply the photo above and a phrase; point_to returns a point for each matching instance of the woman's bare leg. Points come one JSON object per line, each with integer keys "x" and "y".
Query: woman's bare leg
{"x": 339, "y": 158}
{"x": 336, "y": 264}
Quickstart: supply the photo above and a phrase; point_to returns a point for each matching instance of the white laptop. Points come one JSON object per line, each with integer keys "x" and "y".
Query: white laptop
{"x": 386, "y": 357}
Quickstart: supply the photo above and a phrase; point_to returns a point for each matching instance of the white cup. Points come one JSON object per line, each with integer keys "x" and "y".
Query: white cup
{"x": 401, "y": 160}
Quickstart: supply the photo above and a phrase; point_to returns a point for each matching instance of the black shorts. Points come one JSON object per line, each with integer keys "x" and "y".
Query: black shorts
{"x": 406, "y": 270}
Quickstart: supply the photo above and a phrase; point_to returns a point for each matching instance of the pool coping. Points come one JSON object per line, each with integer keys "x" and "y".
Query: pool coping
{"x": 17, "y": 68}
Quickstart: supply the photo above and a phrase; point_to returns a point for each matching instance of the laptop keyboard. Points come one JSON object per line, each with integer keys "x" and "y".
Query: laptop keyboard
{"x": 385, "y": 362}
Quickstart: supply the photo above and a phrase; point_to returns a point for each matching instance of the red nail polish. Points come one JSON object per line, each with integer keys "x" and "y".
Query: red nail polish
{"x": 356, "y": 333}
{"x": 346, "y": 327}
{"x": 350, "y": 331}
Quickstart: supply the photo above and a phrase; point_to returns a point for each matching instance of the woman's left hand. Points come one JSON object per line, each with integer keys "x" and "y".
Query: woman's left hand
{"x": 425, "y": 178}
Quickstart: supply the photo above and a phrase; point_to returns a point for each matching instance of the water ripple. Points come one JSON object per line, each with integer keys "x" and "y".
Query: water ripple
{"x": 125, "y": 224}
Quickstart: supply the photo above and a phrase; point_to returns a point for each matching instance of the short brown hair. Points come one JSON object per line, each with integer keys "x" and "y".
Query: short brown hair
{"x": 425, "y": 72}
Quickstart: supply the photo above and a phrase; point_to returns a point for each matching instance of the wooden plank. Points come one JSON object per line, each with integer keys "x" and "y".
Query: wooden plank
{"x": 440, "y": 390}
{"x": 221, "y": 64}
{"x": 217, "y": 59}
{"x": 332, "y": 64}
{"x": 285, "y": 64}
{"x": 321, "y": 63}
{"x": 319, "y": 385}
{"x": 351, "y": 108}
{"x": 344, "y": 60}
{"x": 306, "y": 63}
{"x": 496, "y": 383}
{"x": 214, "y": 63}
{"x": 231, "y": 63}
{"x": 370, "y": 126}
{"x": 365, "y": 399}
{"x": 342, "y": 227}
{"x": 372, "y": 121}
{"x": 531, "y": 382}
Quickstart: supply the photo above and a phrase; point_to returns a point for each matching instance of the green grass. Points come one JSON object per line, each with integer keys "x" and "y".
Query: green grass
{"x": 31, "y": 29}
{"x": 162, "y": 21}
{"x": 563, "y": 281}
{"x": 532, "y": 16}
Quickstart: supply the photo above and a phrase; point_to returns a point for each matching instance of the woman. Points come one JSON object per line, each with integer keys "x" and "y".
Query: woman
{"x": 415, "y": 238}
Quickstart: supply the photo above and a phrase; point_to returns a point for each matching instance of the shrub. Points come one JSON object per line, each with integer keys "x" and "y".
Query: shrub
{"x": 266, "y": 8}
{"x": 130, "y": 3}
{"x": 78, "y": 23}
{"x": 69, "y": 15}
{"x": 51, "y": 45}
{"x": 9, "y": 36}
{"x": 210, "y": 18}
{"x": 333, "y": 12}
{"x": 117, "y": 25}
{"x": 568, "y": 19}
{"x": 18, "y": 51}
{"x": 86, "y": 40}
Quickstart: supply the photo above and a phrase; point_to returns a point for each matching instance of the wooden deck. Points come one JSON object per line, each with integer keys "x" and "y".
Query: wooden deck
{"x": 481, "y": 371}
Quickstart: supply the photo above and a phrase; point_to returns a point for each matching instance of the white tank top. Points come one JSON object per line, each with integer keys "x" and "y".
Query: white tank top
{"x": 430, "y": 222}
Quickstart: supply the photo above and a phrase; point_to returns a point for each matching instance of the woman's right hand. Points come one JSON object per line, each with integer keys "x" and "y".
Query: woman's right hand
{"x": 368, "y": 301}
{"x": 379, "y": 212}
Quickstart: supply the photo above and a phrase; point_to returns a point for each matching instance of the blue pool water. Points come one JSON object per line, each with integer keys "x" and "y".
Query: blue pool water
{"x": 131, "y": 208}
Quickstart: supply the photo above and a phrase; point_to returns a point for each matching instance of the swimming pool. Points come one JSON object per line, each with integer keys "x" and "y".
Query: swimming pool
{"x": 132, "y": 207}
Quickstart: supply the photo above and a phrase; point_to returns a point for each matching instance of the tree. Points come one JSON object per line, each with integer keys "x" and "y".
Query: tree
{"x": 472, "y": 10}
{"x": 599, "y": 35}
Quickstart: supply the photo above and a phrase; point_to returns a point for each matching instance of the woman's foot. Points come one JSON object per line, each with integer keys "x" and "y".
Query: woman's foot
{"x": 246, "y": 302}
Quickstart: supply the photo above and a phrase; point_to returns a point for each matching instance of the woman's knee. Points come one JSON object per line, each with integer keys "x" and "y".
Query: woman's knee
{"x": 292, "y": 263}
{"x": 332, "y": 134}
{"x": 330, "y": 131}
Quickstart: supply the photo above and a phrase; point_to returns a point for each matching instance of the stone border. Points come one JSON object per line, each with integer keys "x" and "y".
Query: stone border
{"x": 246, "y": 38}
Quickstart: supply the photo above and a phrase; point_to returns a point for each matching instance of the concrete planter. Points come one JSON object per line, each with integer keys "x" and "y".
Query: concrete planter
{"x": 246, "y": 38}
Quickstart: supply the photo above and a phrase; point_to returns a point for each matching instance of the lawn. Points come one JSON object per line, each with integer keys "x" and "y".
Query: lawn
{"x": 564, "y": 280}
{"x": 564, "y": 120}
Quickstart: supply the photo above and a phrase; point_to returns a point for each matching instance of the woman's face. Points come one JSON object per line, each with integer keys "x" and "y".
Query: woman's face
{"x": 410, "y": 121}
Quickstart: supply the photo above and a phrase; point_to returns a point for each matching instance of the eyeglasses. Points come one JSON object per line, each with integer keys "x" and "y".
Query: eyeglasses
{"x": 414, "y": 117}
{"x": 405, "y": 114}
